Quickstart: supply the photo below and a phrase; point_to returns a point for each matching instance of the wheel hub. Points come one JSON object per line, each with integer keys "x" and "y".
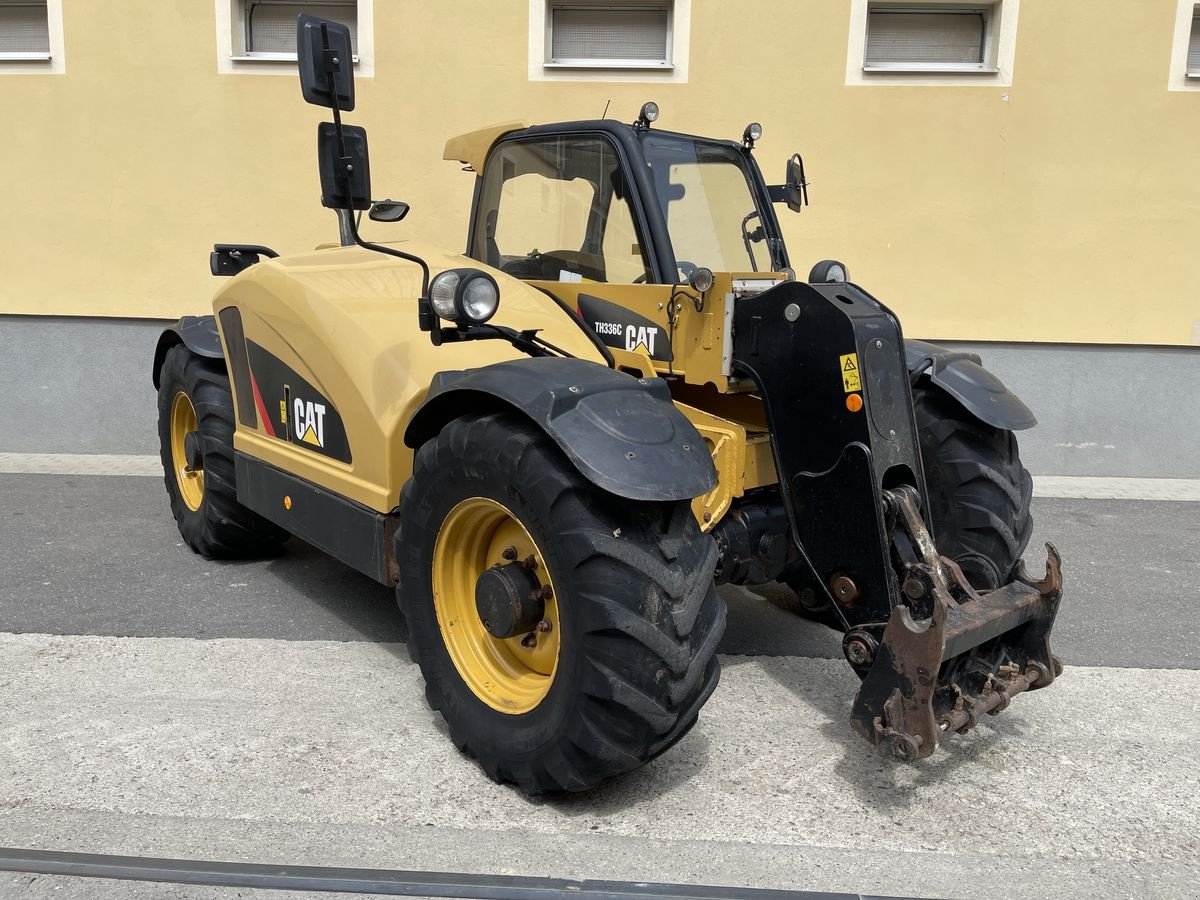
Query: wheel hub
{"x": 192, "y": 452}
{"x": 509, "y": 600}
{"x": 187, "y": 458}
{"x": 490, "y": 581}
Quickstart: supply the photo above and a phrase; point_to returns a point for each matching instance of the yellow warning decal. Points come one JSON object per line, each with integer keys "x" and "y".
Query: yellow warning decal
{"x": 849, "y": 366}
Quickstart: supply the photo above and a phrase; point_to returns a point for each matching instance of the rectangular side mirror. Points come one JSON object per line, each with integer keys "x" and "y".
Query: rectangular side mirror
{"x": 326, "y": 60}
{"x": 796, "y": 185}
{"x": 338, "y": 191}
{"x": 794, "y": 190}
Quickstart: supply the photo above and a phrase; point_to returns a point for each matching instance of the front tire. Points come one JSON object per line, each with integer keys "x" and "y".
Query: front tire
{"x": 194, "y": 398}
{"x": 634, "y": 616}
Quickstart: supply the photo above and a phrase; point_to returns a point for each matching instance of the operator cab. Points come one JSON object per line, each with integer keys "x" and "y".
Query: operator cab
{"x": 604, "y": 202}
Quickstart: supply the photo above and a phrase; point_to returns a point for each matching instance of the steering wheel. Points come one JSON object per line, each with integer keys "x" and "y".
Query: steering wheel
{"x": 531, "y": 265}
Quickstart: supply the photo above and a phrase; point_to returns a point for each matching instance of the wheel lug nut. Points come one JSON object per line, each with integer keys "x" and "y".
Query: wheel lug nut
{"x": 510, "y": 553}
{"x": 544, "y": 626}
{"x": 529, "y": 641}
{"x": 530, "y": 562}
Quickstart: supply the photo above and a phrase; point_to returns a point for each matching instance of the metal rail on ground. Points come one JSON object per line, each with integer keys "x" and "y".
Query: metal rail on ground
{"x": 389, "y": 882}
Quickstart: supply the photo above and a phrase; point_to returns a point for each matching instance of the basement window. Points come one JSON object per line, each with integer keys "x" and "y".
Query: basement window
{"x": 268, "y": 27}
{"x": 629, "y": 35}
{"x": 24, "y": 31}
{"x": 930, "y": 38}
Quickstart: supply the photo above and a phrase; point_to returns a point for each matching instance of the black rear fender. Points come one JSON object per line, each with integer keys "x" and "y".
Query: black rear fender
{"x": 197, "y": 333}
{"x": 623, "y": 434}
{"x": 963, "y": 377}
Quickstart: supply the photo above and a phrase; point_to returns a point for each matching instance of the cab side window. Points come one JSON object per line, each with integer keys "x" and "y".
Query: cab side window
{"x": 555, "y": 209}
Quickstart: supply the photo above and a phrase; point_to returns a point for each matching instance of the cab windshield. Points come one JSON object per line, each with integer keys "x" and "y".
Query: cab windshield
{"x": 704, "y": 191}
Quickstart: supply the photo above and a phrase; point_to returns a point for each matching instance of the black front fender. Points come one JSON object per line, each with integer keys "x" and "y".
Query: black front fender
{"x": 197, "y": 333}
{"x": 623, "y": 434}
{"x": 963, "y": 377}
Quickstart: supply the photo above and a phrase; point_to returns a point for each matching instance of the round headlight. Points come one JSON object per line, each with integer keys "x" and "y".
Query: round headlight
{"x": 464, "y": 296}
{"x": 442, "y": 291}
{"x": 480, "y": 297}
{"x": 752, "y": 133}
{"x": 649, "y": 111}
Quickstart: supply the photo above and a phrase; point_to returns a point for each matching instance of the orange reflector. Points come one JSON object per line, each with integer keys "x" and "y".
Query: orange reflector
{"x": 854, "y": 402}
{"x": 287, "y": 502}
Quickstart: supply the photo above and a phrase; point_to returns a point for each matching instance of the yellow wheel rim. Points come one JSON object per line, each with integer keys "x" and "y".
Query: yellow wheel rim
{"x": 190, "y": 481}
{"x": 502, "y": 672}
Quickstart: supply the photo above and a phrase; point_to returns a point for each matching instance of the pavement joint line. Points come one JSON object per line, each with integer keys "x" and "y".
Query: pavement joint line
{"x": 1059, "y": 487}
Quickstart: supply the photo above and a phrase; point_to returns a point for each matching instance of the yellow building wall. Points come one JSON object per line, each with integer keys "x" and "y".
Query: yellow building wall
{"x": 1063, "y": 208}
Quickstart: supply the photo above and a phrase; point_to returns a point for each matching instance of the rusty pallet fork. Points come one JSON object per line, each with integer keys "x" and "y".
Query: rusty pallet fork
{"x": 934, "y": 654}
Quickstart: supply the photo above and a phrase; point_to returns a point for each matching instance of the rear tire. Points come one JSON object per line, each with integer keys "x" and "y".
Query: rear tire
{"x": 212, "y": 522}
{"x": 979, "y": 498}
{"x": 638, "y": 616}
{"x": 979, "y": 492}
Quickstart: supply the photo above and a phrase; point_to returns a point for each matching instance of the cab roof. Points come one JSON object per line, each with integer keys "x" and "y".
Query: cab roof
{"x": 472, "y": 148}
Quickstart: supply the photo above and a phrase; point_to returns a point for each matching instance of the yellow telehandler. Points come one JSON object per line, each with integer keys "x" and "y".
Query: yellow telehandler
{"x": 557, "y": 444}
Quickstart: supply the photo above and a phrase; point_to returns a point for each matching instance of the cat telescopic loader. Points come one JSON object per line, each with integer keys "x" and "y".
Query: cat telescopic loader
{"x": 556, "y": 445}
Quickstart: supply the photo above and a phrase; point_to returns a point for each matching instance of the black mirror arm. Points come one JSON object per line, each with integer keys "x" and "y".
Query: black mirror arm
{"x": 345, "y": 166}
{"x": 778, "y": 193}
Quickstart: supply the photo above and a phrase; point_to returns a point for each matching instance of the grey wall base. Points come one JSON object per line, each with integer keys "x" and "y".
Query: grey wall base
{"x": 77, "y": 385}
{"x": 72, "y": 385}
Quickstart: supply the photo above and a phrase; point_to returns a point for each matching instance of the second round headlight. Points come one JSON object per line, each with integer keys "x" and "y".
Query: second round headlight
{"x": 480, "y": 298}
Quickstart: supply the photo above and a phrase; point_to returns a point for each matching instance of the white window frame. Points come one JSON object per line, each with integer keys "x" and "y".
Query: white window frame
{"x": 985, "y": 66}
{"x": 1000, "y": 42}
{"x": 232, "y": 57}
{"x": 37, "y": 63}
{"x": 1179, "y": 78}
{"x": 618, "y": 63}
{"x": 673, "y": 71}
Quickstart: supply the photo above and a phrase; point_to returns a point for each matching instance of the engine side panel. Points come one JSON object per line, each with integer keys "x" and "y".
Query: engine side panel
{"x": 340, "y": 366}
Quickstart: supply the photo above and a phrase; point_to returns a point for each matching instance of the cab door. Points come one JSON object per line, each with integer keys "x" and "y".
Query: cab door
{"x": 558, "y": 210}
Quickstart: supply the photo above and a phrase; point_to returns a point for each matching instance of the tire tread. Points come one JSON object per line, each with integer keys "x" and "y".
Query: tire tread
{"x": 648, "y": 645}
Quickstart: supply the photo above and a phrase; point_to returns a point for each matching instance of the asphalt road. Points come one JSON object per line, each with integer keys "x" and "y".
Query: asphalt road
{"x": 89, "y": 555}
{"x": 155, "y": 703}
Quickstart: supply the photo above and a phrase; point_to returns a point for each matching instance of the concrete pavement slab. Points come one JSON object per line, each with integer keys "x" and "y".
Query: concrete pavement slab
{"x": 1089, "y": 781}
